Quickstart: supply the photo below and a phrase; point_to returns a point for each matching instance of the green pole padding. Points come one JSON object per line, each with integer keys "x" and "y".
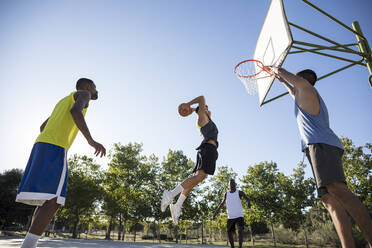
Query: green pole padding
{"x": 333, "y": 48}
{"x": 364, "y": 48}
{"x": 328, "y": 55}
{"x": 319, "y": 36}
{"x": 333, "y": 19}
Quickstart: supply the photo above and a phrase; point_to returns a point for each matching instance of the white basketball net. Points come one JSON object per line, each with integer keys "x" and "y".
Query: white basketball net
{"x": 249, "y": 72}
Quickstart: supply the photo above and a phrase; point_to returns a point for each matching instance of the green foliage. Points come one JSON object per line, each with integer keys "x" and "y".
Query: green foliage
{"x": 11, "y": 211}
{"x": 298, "y": 195}
{"x": 357, "y": 163}
{"x": 262, "y": 185}
{"x": 83, "y": 191}
{"x": 175, "y": 168}
{"x": 128, "y": 194}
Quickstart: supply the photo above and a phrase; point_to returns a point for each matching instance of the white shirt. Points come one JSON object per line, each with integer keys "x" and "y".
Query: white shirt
{"x": 234, "y": 205}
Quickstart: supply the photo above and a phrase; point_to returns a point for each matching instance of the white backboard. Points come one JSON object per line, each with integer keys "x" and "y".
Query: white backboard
{"x": 273, "y": 44}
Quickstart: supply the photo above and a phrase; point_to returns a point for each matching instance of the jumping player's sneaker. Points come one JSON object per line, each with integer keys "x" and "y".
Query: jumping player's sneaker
{"x": 175, "y": 212}
{"x": 166, "y": 200}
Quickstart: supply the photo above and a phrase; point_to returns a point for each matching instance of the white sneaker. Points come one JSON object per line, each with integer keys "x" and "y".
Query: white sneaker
{"x": 166, "y": 200}
{"x": 175, "y": 212}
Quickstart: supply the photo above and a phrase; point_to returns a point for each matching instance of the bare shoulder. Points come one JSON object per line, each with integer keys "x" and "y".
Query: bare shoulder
{"x": 307, "y": 99}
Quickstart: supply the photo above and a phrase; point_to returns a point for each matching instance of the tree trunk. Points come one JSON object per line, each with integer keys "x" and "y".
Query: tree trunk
{"x": 74, "y": 231}
{"x": 108, "y": 233}
{"x": 135, "y": 231}
{"x": 187, "y": 236}
{"x": 159, "y": 232}
{"x": 273, "y": 234}
{"x": 124, "y": 229}
{"x": 154, "y": 232}
{"x": 202, "y": 232}
{"x": 304, "y": 227}
{"x": 120, "y": 227}
{"x": 176, "y": 227}
{"x": 252, "y": 236}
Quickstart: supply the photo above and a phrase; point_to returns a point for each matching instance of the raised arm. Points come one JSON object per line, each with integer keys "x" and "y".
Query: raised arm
{"x": 243, "y": 195}
{"x": 203, "y": 118}
{"x": 290, "y": 88}
{"x": 43, "y": 125}
{"x": 296, "y": 81}
{"x": 82, "y": 100}
{"x": 219, "y": 207}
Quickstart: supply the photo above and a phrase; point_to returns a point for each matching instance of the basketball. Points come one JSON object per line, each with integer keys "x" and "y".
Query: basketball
{"x": 184, "y": 109}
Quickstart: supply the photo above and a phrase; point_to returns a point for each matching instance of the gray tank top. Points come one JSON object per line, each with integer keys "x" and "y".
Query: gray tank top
{"x": 209, "y": 132}
{"x": 315, "y": 128}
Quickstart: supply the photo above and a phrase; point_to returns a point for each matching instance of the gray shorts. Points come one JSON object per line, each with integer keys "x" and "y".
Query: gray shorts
{"x": 326, "y": 163}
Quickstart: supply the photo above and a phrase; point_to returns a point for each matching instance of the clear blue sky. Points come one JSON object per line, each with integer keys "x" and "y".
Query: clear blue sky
{"x": 146, "y": 57}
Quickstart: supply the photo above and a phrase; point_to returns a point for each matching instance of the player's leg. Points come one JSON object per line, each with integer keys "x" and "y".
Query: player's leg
{"x": 231, "y": 238}
{"x": 353, "y": 206}
{"x": 40, "y": 220}
{"x": 340, "y": 220}
{"x": 187, "y": 185}
{"x": 43, "y": 184}
{"x": 326, "y": 162}
{"x": 43, "y": 216}
{"x": 240, "y": 223}
{"x": 192, "y": 181}
{"x": 168, "y": 196}
{"x": 230, "y": 231}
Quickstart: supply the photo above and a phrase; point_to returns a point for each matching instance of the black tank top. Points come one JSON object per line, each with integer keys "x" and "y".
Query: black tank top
{"x": 209, "y": 132}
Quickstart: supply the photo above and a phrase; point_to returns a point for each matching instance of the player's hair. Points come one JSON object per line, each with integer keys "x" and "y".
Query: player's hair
{"x": 309, "y": 75}
{"x": 82, "y": 82}
{"x": 197, "y": 109}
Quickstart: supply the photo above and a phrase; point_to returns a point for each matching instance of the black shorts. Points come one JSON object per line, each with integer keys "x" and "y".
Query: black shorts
{"x": 232, "y": 222}
{"x": 206, "y": 158}
{"x": 326, "y": 163}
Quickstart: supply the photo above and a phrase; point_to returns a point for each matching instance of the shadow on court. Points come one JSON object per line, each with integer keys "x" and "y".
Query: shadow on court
{"x": 10, "y": 242}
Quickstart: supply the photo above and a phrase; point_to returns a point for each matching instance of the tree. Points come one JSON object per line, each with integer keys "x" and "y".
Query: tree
{"x": 127, "y": 185}
{"x": 357, "y": 164}
{"x": 11, "y": 211}
{"x": 175, "y": 168}
{"x": 298, "y": 195}
{"x": 262, "y": 185}
{"x": 83, "y": 191}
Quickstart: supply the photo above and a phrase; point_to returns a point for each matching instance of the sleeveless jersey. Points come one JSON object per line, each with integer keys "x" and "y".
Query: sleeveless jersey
{"x": 234, "y": 205}
{"x": 61, "y": 129}
{"x": 209, "y": 132}
{"x": 315, "y": 128}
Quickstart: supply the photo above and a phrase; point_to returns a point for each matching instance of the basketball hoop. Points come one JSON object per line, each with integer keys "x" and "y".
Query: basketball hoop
{"x": 250, "y": 71}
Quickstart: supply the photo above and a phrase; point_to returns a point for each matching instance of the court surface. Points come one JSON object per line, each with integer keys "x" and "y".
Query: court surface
{"x": 12, "y": 242}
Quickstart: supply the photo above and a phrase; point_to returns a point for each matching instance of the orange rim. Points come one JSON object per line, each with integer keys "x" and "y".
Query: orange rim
{"x": 259, "y": 64}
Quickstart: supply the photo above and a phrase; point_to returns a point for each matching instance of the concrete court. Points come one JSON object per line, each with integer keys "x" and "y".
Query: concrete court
{"x": 13, "y": 242}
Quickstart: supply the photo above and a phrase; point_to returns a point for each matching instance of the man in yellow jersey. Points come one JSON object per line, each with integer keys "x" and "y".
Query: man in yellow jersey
{"x": 45, "y": 178}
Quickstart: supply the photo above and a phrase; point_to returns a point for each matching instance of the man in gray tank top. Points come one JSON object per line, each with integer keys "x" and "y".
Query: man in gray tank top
{"x": 206, "y": 157}
{"x": 235, "y": 212}
{"x": 324, "y": 152}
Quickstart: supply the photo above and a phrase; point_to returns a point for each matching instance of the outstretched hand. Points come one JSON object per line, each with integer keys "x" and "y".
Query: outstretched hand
{"x": 279, "y": 78}
{"x": 274, "y": 69}
{"x": 100, "y": 150}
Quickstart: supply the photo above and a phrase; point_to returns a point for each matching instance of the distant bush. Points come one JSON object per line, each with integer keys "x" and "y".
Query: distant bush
{"x": 325, "y": 234}
{"x": 147, "y": 237}
{"x": 163, "y": 237}
{"x": 287, "y": 236}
